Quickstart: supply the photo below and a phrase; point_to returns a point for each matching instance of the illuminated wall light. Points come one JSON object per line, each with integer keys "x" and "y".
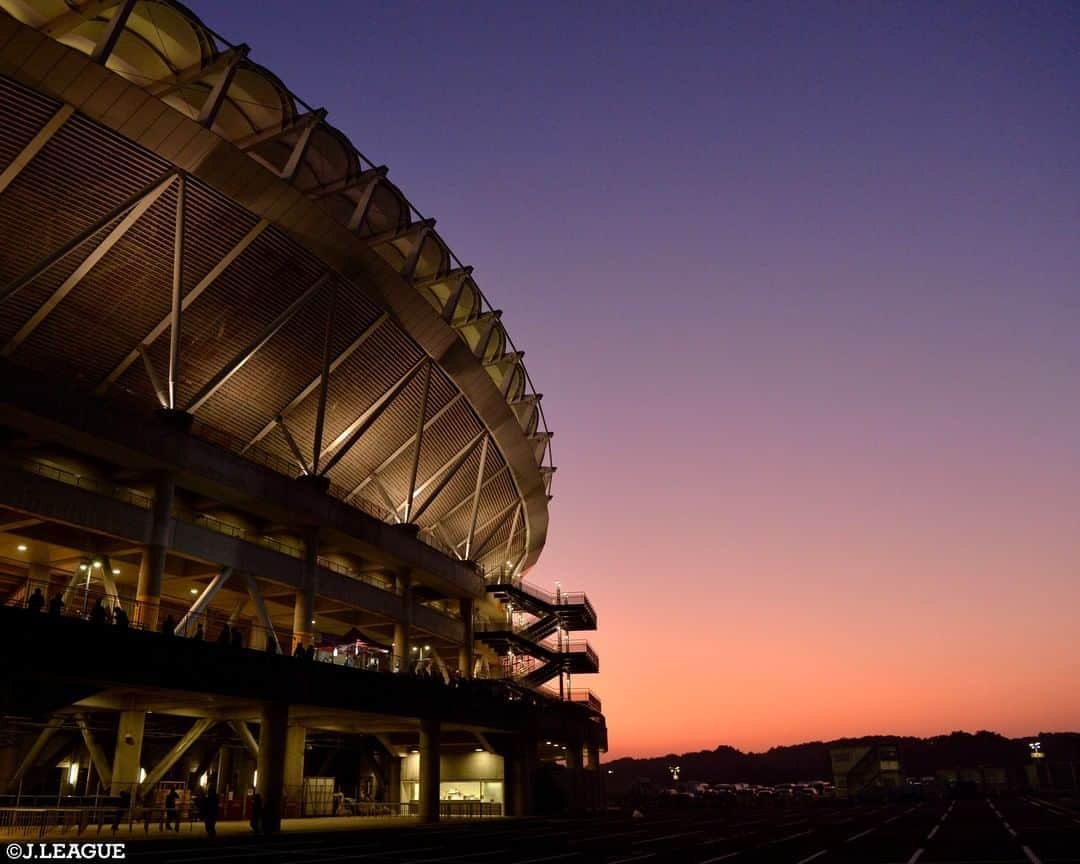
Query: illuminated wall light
{"x": 255, "y": 777}
{"x": 73, "y": 773}
{"x": 115, "y": 571}
{"x": 83, "y": 567}
{"x": 21, "y": 547}
{"x": 204, "y": 780}
{"x": 194, "y": 591}
{"x": 142, "y": 775}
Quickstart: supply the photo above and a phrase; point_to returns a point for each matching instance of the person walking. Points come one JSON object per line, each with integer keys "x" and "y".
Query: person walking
{"x": 209, "y": 806}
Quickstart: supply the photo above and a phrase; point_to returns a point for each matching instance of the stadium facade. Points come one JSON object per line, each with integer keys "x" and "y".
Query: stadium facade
{"x": 272, "y": 468}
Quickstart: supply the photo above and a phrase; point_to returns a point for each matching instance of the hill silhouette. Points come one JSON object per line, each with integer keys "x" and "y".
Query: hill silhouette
{"x": 920, "y": 757}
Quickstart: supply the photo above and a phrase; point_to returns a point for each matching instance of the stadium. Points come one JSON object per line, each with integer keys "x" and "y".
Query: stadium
{"x": 273, "y": 469}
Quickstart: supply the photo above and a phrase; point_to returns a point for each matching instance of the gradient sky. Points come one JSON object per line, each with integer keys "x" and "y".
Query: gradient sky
{"x": 801, "y": 286}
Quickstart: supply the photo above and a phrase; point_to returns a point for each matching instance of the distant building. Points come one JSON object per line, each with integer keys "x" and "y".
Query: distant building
{"x": 859, "y": 769}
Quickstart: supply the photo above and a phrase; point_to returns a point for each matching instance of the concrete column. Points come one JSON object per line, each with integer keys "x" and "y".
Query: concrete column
{"x": 393, "y": 779}
{"x": 403, "y": 628}
{"x": 273, "y": 733}
{"x": 519, "y": 769}
{"x": 224, "y": 771}
{"x": 304, "y": 607}
{"x": 596, "y": 780}
{"x": 430, "y": 735}
{"x": 127, "y": 759}
{"x": 466, "y": 653}
{"x": 574, "y": 779}
{"x": 295, "y": 741}
{"x": 152, "y": 566}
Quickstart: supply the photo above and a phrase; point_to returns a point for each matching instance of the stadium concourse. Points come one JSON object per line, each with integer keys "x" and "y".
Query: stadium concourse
{"x": 271, "y": 468}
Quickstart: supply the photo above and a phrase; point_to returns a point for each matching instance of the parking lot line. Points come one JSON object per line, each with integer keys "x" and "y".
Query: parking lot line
{"x": 855, "y": 837}
{"x": 810, "y": 858}
{"x": 719, "y": 858}
{"x": 914, "y": 858}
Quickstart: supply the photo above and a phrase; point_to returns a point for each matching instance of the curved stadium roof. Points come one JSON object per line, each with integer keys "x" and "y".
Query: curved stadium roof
{"x": 297, "y": 251}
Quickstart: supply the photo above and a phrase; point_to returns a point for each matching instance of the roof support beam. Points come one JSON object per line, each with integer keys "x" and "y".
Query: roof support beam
{"x": 189, "y": 298}
{"x": 177, "y": 293}
{"x": 97, "y": 755}
{"x": 249, "y": 351}
{"x": 355, "y": 430}
{"x": 255, "y": 593}
{"x": 324, "y": 381}
{"x": 274, "y": 132}
{"x": 450, "y": 469}
{"x": 363, "y": 203}
{"x": 133, "y": 214}
{"x": 240, "y": 727}
{"x": 210, "y": 108}
{"x": 457, "y": 397}
{"x": 420, "y": 417}
{"x": 510, "y": 536}
{"x": 400, "y": 233}
{"x": 280, "y": 421}
{"x": 155, "y": 382}
{"x": 198, "y": 71}
{"x": 203, "y": 600}
{"x": 179, "y": 749}
{"x": 350, "y": 181}
{"x": 476, "y": 500}
{"x": 115, "y": 27}
{"x": 43, "y": 136}
{"x": 74, "y": 243}
{"x": 31, "y": 757}
{"x": 310, "y": 387}
{"x": 299, "y": 151}
{"x": 387, "y": 500}
{"x": 495, "y": 523}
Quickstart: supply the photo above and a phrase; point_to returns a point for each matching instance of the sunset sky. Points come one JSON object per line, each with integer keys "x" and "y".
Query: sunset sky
{"x": 800, "y": 284}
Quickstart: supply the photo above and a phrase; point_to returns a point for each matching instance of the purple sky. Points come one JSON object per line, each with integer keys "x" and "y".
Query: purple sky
{"x": 801, "y": 285}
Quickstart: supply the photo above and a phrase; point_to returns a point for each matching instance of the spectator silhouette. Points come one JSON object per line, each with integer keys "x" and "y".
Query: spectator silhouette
{"x": 56, "y": 604}
{"x": 120, "y": 617}
{"x": 168, "y": 628}
{"x": 209, "y": 807}
{"x": 271, "y": 644}
{"x": 256, "y": 813}
{"x": 311, "y": 651}
{"x": 97, "y": 614}
{"x": 223, "y": 636}
{"x": 172, "y": 817}
{"x": 36, "y": 602}
{"x": 237, "y": 638}
{"x": 199, "y": 633}
{"x": 299, "y": 651}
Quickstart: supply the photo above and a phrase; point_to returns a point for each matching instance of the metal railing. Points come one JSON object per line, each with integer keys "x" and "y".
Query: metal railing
{"x": 502, "y": 576}
{"x": 82, "y": 481}
{"x": 585, "y": 697}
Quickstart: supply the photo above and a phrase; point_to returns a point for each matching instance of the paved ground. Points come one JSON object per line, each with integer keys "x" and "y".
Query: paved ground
{"x": 1023, "y": 830}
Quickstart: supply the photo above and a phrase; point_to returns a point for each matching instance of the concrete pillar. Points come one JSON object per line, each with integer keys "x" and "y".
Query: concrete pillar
{"x": 466, "y": 654}
{"x": 224, "y": 771}
{"x": 127, "y": 759}
{"x": 403, "y": 628}
{"x": 430, "y": 735}
{"x": 519, "y": 769}
{"x": 152, "y": 566}
{"x": 596, "y": 780}
{"x": 393, "y": 779}
{"x": 295, "y": 741}
{"x": 575, "y": 782}
{"x": 273, "y": 733}
{"x": 304, "y": 606}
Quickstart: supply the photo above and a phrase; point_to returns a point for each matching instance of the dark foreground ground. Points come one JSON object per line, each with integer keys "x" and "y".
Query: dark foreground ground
{"x": 1024, "y": 829}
